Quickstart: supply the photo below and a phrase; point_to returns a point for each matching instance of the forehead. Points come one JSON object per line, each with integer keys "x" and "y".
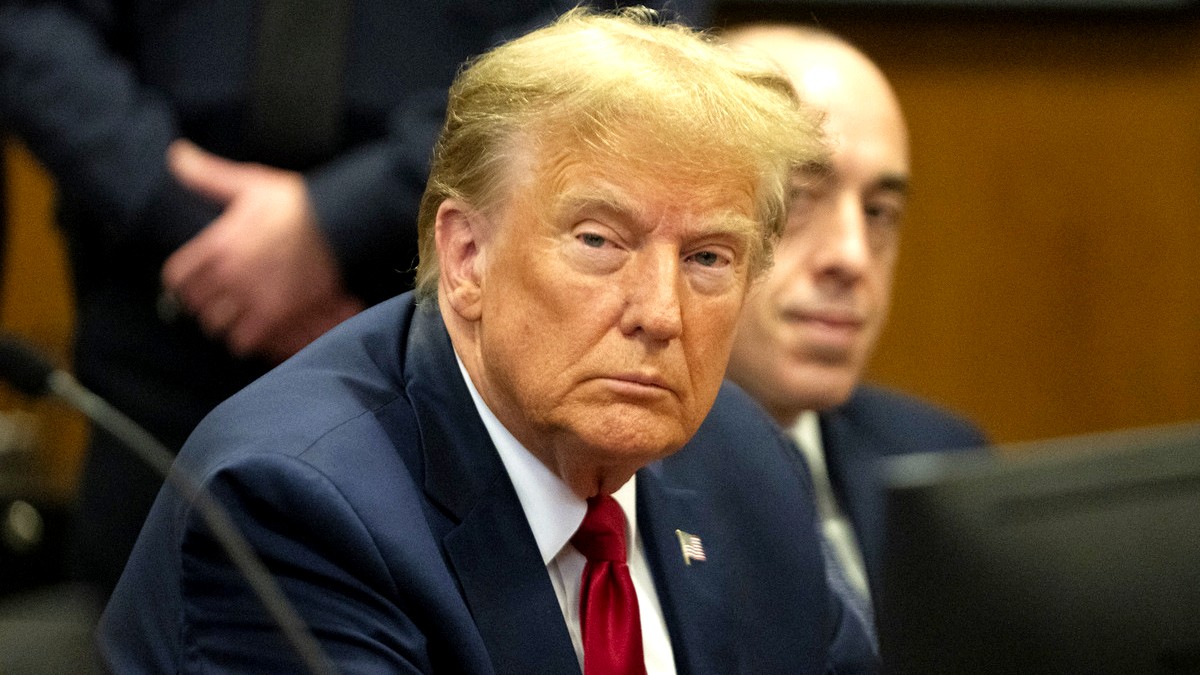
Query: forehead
{"x": 623, "y": 177}
{"x": 874, "y": 135}
{"x": 862, "y": 119}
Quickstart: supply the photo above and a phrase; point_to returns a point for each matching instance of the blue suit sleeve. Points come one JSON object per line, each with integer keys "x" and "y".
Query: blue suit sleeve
{"x": 82, "y": 111}
{"x": 367, "y": 200}
{"x": 324, "y": 560}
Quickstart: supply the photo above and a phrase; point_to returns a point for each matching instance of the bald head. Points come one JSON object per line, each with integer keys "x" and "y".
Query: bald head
{"x": 837, "y": 78}
{"x": 828, "y": 73}
{"x": 809, "y": 328}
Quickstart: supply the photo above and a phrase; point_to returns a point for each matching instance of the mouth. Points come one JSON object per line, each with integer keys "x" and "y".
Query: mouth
{"x": 828, "y": 328}
{"x": 831, "y": 319}
{"x": 637, "y": 385}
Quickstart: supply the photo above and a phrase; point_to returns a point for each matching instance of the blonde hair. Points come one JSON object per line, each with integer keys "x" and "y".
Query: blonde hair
{"x": 603, "y": 80}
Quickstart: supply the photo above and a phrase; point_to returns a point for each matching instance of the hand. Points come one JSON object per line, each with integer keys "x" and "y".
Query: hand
{"x": 260, "y": 276}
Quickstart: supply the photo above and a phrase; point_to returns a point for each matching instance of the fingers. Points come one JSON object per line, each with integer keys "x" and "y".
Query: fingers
{"x": 210, "y": 175}
{"x": 196, "y": 276}
{"x": 182, "y": 265}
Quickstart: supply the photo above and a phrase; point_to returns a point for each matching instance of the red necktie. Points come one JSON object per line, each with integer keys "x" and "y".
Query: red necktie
{"x": 608, "y": 609}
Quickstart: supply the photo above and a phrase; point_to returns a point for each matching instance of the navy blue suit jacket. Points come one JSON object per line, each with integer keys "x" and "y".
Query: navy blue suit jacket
{"x": 873, "y": 425}
{"x": 364, "y": 476}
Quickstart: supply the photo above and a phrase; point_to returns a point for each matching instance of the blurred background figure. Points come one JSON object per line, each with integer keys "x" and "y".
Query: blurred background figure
{"x": 234, "y": 178}
{"x": 809, "y": 328}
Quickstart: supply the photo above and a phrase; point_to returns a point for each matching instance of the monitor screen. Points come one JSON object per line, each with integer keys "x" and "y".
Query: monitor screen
{"x": 1080, "y": 555}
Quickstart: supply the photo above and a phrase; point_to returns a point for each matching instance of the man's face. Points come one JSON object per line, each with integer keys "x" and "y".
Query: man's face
{"x": 810, "y": 325}
{"x": 610, "y": 298}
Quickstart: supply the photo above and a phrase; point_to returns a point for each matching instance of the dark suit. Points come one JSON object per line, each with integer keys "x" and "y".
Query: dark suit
{"x": 363, "y": 473}
{"x": 872, "y": 425}
{"x": 99, "y": 88}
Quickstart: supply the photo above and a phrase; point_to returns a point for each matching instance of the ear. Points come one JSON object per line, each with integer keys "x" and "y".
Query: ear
{"x": 458, "y": 230}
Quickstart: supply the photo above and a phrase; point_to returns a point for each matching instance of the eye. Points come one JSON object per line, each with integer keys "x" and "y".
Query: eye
{"x": 596, "y": 249}
{"x": 592, "y": 240}
{"x": 709, "y": 259}
{"x": 802, "y": 203}
{"x": 809, "y": 187}
{"x": 884, "y": 211}
{"x": 803, "y": 197}
{"x": 881, "y": 216}
{"x": 883, "y": 222}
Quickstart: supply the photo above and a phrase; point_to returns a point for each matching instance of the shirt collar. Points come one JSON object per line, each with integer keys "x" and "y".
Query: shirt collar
{"x": 553, "y": 510}
{"x": 807, "y": 434}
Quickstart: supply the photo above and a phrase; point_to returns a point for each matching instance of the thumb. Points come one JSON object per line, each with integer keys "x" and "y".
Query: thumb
{"x": 201, "y": 171}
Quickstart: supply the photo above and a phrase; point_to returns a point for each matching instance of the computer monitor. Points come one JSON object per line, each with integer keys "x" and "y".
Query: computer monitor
{"x": 1078, "y": 555}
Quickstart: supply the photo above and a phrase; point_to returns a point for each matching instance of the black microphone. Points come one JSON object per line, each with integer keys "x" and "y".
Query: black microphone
{"x": 33, "y": 374}
{"x": 23, "y": 367}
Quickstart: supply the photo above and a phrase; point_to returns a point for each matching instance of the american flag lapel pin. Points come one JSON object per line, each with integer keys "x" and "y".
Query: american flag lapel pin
{"x": 691, "y": 547}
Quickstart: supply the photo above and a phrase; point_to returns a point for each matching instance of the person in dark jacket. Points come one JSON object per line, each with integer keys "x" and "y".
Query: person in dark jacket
{"x": 809, "y": 328}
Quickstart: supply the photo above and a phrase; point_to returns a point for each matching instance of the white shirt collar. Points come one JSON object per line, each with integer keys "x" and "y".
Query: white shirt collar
{"x": 553, "y": 510}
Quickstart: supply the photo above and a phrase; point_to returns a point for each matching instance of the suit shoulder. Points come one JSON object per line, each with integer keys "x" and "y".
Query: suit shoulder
{"x": 342, "y": 380}
{"x": 737, "y": 412}
{"x": 737, "y": 421}
{"x": 888, "y": 412}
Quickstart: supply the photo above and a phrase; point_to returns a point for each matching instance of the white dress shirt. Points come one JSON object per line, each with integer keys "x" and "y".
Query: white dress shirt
{"x": 554, "y": 513}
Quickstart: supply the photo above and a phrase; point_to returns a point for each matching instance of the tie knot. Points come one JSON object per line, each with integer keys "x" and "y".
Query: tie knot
{"x": 601, "y": 536}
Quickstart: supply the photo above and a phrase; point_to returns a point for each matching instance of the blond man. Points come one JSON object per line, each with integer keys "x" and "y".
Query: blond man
{"x": 532, "y": 465}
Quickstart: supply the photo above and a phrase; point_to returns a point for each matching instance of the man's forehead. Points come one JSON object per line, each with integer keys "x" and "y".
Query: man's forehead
{"x": 651, "y": 207}
{"x": 622, "y": 178}
{"x": 648, "y": 199}
{"x": 625, "y": 151}
{"x": 869, "y": 148}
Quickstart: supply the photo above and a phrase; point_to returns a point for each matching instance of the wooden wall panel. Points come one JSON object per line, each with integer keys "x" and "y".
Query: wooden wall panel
{"x": 35, "y": 303}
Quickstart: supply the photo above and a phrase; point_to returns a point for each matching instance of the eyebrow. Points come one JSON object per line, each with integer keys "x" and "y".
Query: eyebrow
{"x": 890, "y": 182}
{"x": 894, "y": 182}
{"x": 712, "y": 223}
{"x": 593, "y": 200}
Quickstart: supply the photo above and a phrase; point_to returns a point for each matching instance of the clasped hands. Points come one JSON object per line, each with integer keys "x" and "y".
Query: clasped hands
{"x": 260, "y": 277}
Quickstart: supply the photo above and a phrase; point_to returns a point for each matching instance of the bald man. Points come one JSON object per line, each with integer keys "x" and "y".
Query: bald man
{"x": 809, "y": 327}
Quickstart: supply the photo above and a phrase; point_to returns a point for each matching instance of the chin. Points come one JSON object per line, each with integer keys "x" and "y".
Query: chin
{"x": 635, "y": 435}
{"x": 820, "y": 387}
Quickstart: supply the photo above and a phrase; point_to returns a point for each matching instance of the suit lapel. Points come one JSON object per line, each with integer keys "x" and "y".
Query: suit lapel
{"x": 692, "y": 598}
{"x": 507, "y": 588}
{"x": 488, "y": 541}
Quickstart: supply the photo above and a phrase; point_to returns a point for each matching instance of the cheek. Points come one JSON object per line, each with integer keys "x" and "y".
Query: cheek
{"x": 881, "y": 277}
{"x": 760, "y": 325}
{"x": 712, "y": 329}
{"x": 791, "y": 274}
{"x": 758, "y": 314}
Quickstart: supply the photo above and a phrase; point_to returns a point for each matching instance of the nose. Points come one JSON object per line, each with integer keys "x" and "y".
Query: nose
{"x": 843, "y": 251}
{"x": 652, "y": 290}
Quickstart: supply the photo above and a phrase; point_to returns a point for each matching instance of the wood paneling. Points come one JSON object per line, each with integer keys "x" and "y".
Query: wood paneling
{"x": 35, "y": 303}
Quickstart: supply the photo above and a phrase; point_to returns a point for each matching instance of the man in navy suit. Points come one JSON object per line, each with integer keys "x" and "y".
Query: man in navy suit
{"x": 811, "y": 325}
{"x": 421, "y": 479}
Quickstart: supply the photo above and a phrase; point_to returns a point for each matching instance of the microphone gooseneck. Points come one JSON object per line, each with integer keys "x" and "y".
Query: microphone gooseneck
{"x": 31, "y": 373}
